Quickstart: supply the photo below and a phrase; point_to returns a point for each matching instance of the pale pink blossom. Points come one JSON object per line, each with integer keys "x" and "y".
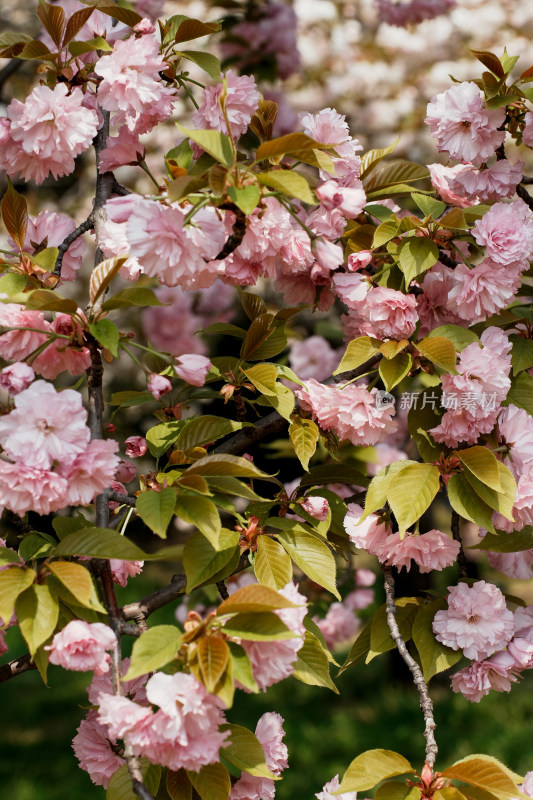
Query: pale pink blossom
{"x": 132, "y": 86}
{"x": 136, "y": 446}
{"x": 313, "y": 358}
{"x": 486, "y": 185}
{"x": 371, "y": 534}
{"x": 431, "y": 551}
{"x": 515, "y": 429}
{"x": 25, "y": 489}
{"x": 63, "y": 355}
{"x": 352, "y": 290}
{"x": 16, "y": 345}
{"x": 359, "y": 598}
{"x": 46, "y": 133}
{"x": 193, "y": 368}
{"x": 365, "y": 577}
{"x": 392, "y": 314}
{"x": 359, "y": 260}
{"x": 82, "y": 646}
{"x": 329, "y": 791}
{"x": 442, "y": 178}
{"x": 474, "y": 682}
{"x": 120, "y": 715}
{"x": 350, "y": 412}
{"x": 328, "y": 255}
{"x": 339, "y": 625}
{"x": 158, "y": 385}
{"x": 269, "y": 731}
{"x": 90, "y": 472}
{"x": 484, "y": 290}
{"x": 515, "y": 565}
{"x": 149, "y": 8}
{"x": 329, "y": 127}
{"x": 112, "y": 235}
{"x": 103, "y": 684}
{"x": 303, "y": 289}
{"x": 521, "y": 651}
{"x": 527, "y": 786}
{"x": 522, "y": 506}
{"x": 463, "y": 125}
{"x": 119, "y": 488}
{"x": 384, "y": 454}
{"x": 432, "y": 305}
{"x": 146, "y": 26}
{"x": 506, "y": 231}
{"x": 122, "y": 570}
{"x": 45, "y": 426}
{"x": 125, "y": 148}
{"x": 93, "y": 749}
{"x": 241, "y": 101}
{"x": 49, "y": 229}
{"x": 527, "y": 133}
{"x": 349, "y": 200}
{"x": 477, "y": 621}
{"x": 16, "y": 377}
{"x": 317, "y": 507}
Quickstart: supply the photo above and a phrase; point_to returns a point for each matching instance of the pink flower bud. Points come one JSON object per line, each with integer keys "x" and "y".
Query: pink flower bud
{"x": 329, "y": 255}
{"x": 158, "y": 385}
{"x": 193, "y": 368}
{"x": 317, "y": 507}
{"x": 144, "y": 26}
{"x": 16, "y": 377}
{"x": 359, "y": 260}
{"x": 350, "y": 201}
{"x": 135, "y": 446}
{"x": 126, "y": 471}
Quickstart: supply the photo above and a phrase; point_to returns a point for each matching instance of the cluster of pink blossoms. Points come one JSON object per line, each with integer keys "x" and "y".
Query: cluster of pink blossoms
{"x": 53, "y": 463}
{"x": 240, "y": 102}
{"x": 269, "y": 731}
{"x": 82, "y": 647}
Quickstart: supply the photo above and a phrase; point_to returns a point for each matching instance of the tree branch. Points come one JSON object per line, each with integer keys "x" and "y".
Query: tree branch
{"x": 123, "y": 499}
{"x": 456, "y": 533}
{"x": 425, "y": 700}
{"x": 70, "y": 239}
{"x": 525, "y": 196}
{"x": 16, "y": 667}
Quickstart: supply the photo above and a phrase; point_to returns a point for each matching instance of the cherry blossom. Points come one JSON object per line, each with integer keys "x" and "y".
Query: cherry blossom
{"x": 16, "y": 377}
{"x": 82, "y": 646}
{"x": 240, "y": 101}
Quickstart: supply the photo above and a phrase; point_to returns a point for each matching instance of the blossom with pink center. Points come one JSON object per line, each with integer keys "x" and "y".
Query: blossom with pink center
{"x": 93, "y": 749}
{"x": 136, "y": 446}
{"x": 329, "y": 791}
{"x": 486, "y": 185}
{"x": 522, "y": 506}
{"x": 113, "y": 239}
{"x": 527, "y": 133}
{"x": 392, "y": 314}
{"x": 82, "y": 646}
{"x": 441, "y": 178}
{"x": 370, "y": 534}
{"x": 273, "y": 661}
{"x": 158, "y": 385}
{"x": 45, "y": 426}
{"x": 132, "y": 86}
{"x": 16, "y": 377}
{"x": 240, "y": 103}
{"x": 350, "y": 412}
{"x": 167, "y": 250}
{"x": 474, "y": 682}
{"x": 349, "y": 200}
{"x": 46, "y": 133}
{"x": 317, "y": 507}
{"x": 477, "y": 621}
{"x": 463, "y": 126}
{"x": 49, "y": 229}
{"x": 146, "y": 26}
{"x": 122, "y": 570}
{"x": 15, "y": 345}
{"x": 193, "y": 368}
{"x": 125, "y": 148}
{"x": 303, "y": 289}
{"x": 432, "y": 550}
{"x": 515, "y": 429}
{"x": 485, "y": 289}
{"x": 521, "y": 651}
{"x": 91, "y": 472}
{"x": 269, "y": 731}
{"x": 506, "y": 231}
{"x": 365, "y": 577}
{"x": 313, "y": 358}
{"x": 339, "y": 625}
{"x": 25, "y": 489}
{"x": 359, "y": 260}
{"x": 62, "y": 355}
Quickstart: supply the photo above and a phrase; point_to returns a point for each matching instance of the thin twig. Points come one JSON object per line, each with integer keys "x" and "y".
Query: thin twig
{"x": 425, "y": 700}
{"x": 222, "y": 590}
{"x": 446, "y": 260}
{"x": 141, "y": 609}
{"x": 16, "y": 667}
{"x": 70, "y": 239}
{"x": 456, "y": 533}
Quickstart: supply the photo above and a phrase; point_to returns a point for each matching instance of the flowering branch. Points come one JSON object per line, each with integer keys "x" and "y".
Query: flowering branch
{"x": 425, "y": 700}
{"x": 85, "y": 226}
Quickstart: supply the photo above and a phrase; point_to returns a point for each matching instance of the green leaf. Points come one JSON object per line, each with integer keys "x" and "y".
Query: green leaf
{"x": 120, "y": 787}
{"x": 212, "y": 782}
{"x": 288, "y": 182}
{"x": 254, "y": 598}
{"x": 411, "y": 492}
{"x": 272, "y": 565}
{"x": 205, "y": 429}
{"x": 215, "y": 143}
{"x": 225, "y": 464}
{"x": 393, "y": 371}
{"x": 499, "y": 501}
{"x": 490, "y": 61}
{"x": 380, "y": 637}
{"x": 385, "y": 232}
{"x": 460, "y": 337}
{"x": 8, "y": 556}
{"x": 163, "y": 436}
{"x": 285, "y": 145}
{"x": 394, "y": 790}
{"x": 358, "y": 352}
{"x": 467, "y": 504}
{"x": 35, "y": 546}
{"x": 376, "y": 496}
{"x": 263, "y": 377}
{"x": 434, "y": 656}
{"x": 428, "y": 205}
{"x": 258, "y": 626}
{"x": 201, "y": 561}
{"x": 194, "y": 29}
{"x": 37, "y": 613}
{"x": 13, "y": 581}
{"x": 154, "y": 649}
{"x": 312, "y": 664}
{"x": 245, "y": 752}
{"x": 372, "y": 158}
{"x": 372, "y": 767}
{"x": 304, "y": 434}
{"x": 178, "y": 785}
{"x": 106, "y": 333}
{"x": 186, "y": 184}
{"x": 416, "y": 255}
{"x": 202, "y": 513}
{"x": 233, "y": 486}
{"x": 78, "y": 580}
{"x": 98, "y": 43}
{"x": 440, "y": 351}
{"x": 486, "y": 773}
{"x": 122, "y": 14}
{"x": 283, "y": 401}
{"x": 502, "y": 542}
{"x": 213, "y": 656}
{"x": 483, "y": 464}
{"x": 246, "y": 198}
{"x": 312, "y": 556}
{"x": 522, "y": 353}
{"x": 46, "y": 300}
{"x": 12, "y": 283}
{"x": 133, "y": 296}
{"x": 99, "y": 543}
{"x": 207, "y": 61}
{"x": 521, "y": 392}
{"x": 156, "y": 509}
{"x": 395, "y": 172}
{"x": 46, "y": 259}
{"x": 334, "y": 473}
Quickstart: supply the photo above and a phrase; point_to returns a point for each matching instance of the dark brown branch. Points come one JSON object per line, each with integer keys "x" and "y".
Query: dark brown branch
{"x": 239, "y": 230}
{"x": 16, "y": 667}
{"x": 456, "y": 533}
{"x": 446, "y": 260}
{"x": 525, "y": 196}
{"x": 123, "y": 499}
{"x": 222, "y": 590}
{"x": 141, "y": 609}
{"x": 118, "y": 188}
{"x": 9, "y": 69}
{"x": 425, "y": 700}
{"x": 70, "y": 239}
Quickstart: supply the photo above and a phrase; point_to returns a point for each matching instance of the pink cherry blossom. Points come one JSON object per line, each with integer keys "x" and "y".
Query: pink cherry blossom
{"x": 93, "y": 750}
{"x": 442, "y": 178}
{"x": 113, "y": 238}
{"x": 241, "y": 100}
{"x": 515, "y": 565}
{"x": 433, "y": 304}
{"x": 158, "y": 385}
{"x": 146, "y": 26}
{"x": 329, "y": 127}
{"x": 16, "y": 377}
{"x": 431, "y": 551}
{"x": 25, "y": 489}
{"x": 329, "y": 791}
{"x": 486, "y": 185}
{"x": 370, "y": 534}
{"x": 350, "y": 201}
{"x": 527, "y": 133}
{"x": 328, "y": 255}
{"x": 527, "y": 786}
{"x": 474, "y": 682}
{"x": 313, "y": 358}
{"x": 484, "y": 290}
{"x": 521, "y": 651}
{"x": 16, "y": 345}
{"x": 515, "y": 429}
{"x": 339, "y": 625}
{"x": 62, "y": 355}
{"x": 352, "y": 290}
{"x": 193, "y": 368}
{"x": 317, "y": 507}
{"x": 392, "y": 314}
{"x": 44, "y": 134}
{"x": 359, "y": 598}
{"x": 49, "y": 229}
{"x": 122, "y": 570}
{"x": 506, "y": 231}
{"x": 103, "y": 684}
{"x": 90, "y": 472}
{"x": 149, "y": 8}
{"x": 522, "y": 506}
{"x": 350, "y": 412}
{"x": 45, "y": 426}
{"x": 359, "y": 260}
{"x": 81, "y": 646}
{"x": 477, "y": 621}
{"x": 269, "y": 731}
{"x": 125, "y": 148}
{"x": 132, "y": 86}
{"x": 126, "y": 471}
{"x": 462, "y": 124}
{"x": 136, "y": 446}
